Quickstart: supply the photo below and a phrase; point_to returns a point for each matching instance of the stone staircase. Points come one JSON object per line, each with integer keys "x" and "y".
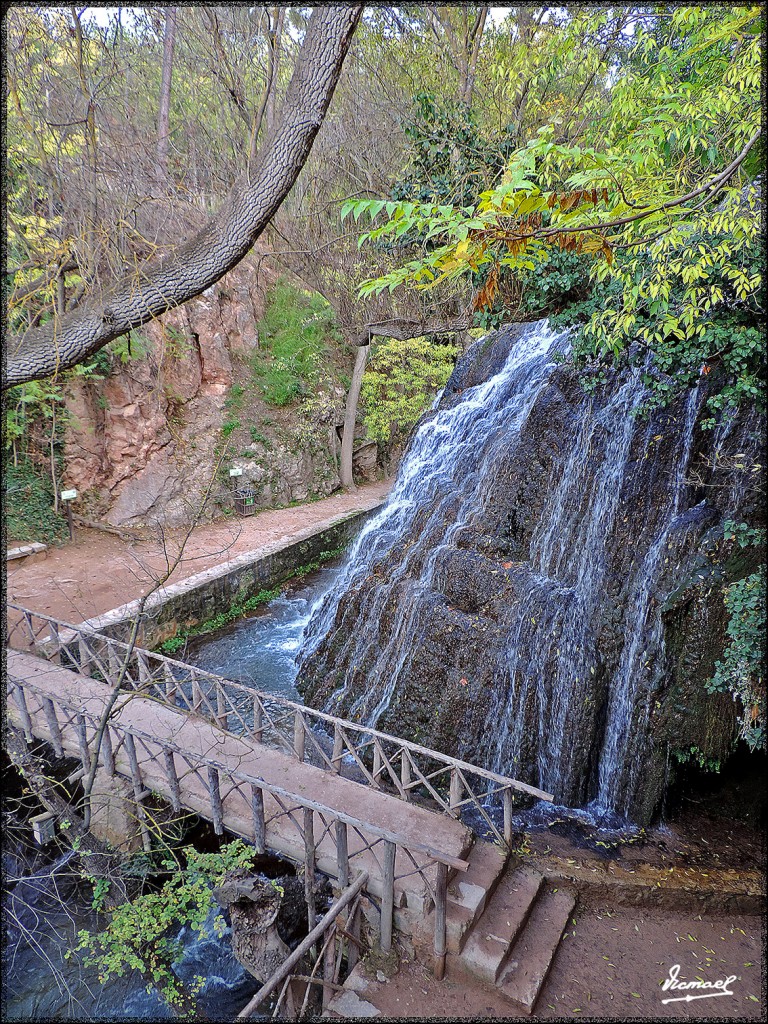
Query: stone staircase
{"x": 504, "y": 925}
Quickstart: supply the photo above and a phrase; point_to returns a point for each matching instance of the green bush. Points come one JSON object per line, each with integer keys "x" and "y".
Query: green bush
{"x": 29, "y": 514}
{"x": 292, "y": 338}
{"x": 400, "y": 384}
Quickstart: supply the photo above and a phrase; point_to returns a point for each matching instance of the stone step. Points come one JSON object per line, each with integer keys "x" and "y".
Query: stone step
{"x": 504, "y": 918}
{"x": 31, "y": 552}
{"x": 470, "y": 893}
{"x": 527, "y": 964}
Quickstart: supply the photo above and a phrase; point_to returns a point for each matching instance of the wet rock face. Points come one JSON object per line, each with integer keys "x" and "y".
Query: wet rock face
{"x": 509, "y": 610}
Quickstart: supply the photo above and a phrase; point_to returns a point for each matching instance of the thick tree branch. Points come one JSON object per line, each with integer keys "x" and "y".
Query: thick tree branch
{"x": 228, "y": 237}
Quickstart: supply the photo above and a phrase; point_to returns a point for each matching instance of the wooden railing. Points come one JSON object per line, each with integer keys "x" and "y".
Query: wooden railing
{"x": 379, "y": 760}
{"x": 169, "y": 770}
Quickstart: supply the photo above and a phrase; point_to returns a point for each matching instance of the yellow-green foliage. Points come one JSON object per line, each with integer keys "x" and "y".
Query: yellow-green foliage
{"x": 656, "y": 193}
{"x": 400, "y": 383}
{"x": 137, "y": 936}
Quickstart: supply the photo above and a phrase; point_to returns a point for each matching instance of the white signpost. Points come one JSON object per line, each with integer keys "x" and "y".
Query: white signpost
{"x": 68, "y": 497}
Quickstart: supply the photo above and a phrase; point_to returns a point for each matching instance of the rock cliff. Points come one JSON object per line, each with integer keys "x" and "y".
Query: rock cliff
{"x": 543, "y": 592}
{"x": 167, "y": 420}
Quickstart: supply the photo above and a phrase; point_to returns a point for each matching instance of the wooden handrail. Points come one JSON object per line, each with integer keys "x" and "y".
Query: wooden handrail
{"x": 287, "y": 965}
{"x": 502, "y": 781}
{"x": 254, "y": 780}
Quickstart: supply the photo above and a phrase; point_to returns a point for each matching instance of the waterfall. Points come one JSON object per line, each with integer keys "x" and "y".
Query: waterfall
{"x": 506, "y": 603}
{"x": 439, "y": 482}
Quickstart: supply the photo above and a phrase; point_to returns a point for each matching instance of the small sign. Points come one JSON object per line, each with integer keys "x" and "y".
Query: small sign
{"x": 236, "y": 471}
{"x": 68, "y": 495}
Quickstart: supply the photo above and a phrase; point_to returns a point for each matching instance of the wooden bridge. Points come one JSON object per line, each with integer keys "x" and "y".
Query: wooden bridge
{"x": 339, "y": 797}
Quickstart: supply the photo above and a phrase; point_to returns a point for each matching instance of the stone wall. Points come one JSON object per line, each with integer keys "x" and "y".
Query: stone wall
{"x": 202, "y": 596}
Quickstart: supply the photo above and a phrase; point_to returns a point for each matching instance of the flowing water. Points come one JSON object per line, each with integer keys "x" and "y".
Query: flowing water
{"x": 567, "y": 704}
{"x": 260, "y": 650}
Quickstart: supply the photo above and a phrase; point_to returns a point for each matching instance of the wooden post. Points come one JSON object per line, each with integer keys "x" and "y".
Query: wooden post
{"x": 171, "y": 688}
{"x": 388, "y": 896}
{"x": 507, "y": 799}
{"x": 138, "y": 791}
{"x": 173, "y": 780}
{"x": 21, "y": 703}
{"x": 197, "y": 697}
{"x": 259, "y": 822}
{"x": 405, "y": 772}
{"x": 84, "y": 657}
{"x": 353, "y": 927}
{"x": 53, "y": 726}
{"x": 222, "y": 719}
{"x": 216, "y": 808}
{"x": 342, "y": 854}
{"x": 441, "y": 895}
{"x": 30, "y": 630}
{"x": 456, "y": 791}
{"x": 257, "y": 727}
{"x": 145, "y": 675}
{"x": 82, "y": 738}
{"x": 309, "y": 865}
{"x": 55, "y": 655}
{"x": 338, "y": 747}
{"x": 298, "y": 735}
{"x": 107, "y": 755}
{"x": 114, "y": 662}
{"x": 329, "y": 958}
{"x": 376, "y": 762}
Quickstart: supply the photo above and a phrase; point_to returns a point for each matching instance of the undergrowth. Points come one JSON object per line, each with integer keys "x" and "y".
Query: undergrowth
{"x": 29, "y": 514}
{"x": 292, "y": 338}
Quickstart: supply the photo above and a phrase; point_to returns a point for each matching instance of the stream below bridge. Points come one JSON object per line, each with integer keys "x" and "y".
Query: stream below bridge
{"x": 45, "y": 911}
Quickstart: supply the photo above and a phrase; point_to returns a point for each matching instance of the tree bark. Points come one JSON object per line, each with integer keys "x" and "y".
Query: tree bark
{"x": 228, "y": 237}
{"x": 164, "y": 106}
{"x": 350, "y": 414}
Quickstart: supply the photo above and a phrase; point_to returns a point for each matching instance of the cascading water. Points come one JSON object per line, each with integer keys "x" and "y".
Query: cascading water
{"x": 507, "y": 603}
{"x": 439, "y": 482}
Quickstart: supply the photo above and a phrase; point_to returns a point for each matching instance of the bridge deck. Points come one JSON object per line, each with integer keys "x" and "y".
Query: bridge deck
{"x": 158, "y": 727}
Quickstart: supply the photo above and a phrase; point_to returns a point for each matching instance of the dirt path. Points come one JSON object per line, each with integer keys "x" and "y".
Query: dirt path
{"x": 611, "y": 965}
{"x": 97, "y": 571}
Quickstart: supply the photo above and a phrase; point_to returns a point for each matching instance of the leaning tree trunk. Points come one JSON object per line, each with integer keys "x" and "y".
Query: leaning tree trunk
{"x": 350, "y": 418}
{"x": 159, "y": 286}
